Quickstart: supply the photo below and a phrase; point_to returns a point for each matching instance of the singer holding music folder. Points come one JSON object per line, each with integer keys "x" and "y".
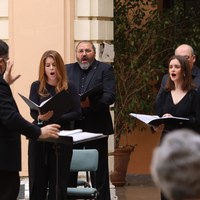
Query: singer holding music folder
{"x": 179, "y": 98}
{"x": 43, "y": 177}
{"x": 97, "y": 80}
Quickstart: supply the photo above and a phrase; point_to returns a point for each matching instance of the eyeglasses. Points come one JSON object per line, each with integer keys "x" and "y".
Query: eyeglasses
{"x": 188, "y": 57}
{"x": 84, "y": 50}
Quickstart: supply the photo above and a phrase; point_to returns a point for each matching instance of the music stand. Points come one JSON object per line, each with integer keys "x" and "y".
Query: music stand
{"x": 68, "y": 140}
{"x": 89, "y": 139}
{"x": 61, "y": 140}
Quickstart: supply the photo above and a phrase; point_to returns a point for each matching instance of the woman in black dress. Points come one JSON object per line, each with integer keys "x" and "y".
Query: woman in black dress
{"x": 42, "y": 158}
{"x": 179, "y": 99}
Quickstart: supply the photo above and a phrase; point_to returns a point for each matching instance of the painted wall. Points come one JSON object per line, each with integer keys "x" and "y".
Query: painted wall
{"x": 34, "y": 27}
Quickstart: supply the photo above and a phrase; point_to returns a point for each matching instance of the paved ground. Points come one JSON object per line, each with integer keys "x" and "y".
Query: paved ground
{"x": 137, "y": 193}
{"x": 128, "y": 192}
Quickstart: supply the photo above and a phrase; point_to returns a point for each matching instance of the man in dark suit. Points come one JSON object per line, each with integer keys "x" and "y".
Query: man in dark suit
{"x": 87, "y": 73}
{"x": 12, "y": 124}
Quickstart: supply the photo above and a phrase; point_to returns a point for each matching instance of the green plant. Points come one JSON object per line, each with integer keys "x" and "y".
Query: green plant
{"x": 144, "y": 39}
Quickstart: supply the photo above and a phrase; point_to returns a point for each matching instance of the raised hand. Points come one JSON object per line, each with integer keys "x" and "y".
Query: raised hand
{"x": 8, "y": 77}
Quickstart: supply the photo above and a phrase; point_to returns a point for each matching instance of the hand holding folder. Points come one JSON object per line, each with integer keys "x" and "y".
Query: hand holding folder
{"x": 96, "y": 90}
{"x": 154, "y": 120}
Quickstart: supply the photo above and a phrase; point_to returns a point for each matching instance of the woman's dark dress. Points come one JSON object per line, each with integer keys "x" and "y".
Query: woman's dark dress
{"x": 42, "y": 157}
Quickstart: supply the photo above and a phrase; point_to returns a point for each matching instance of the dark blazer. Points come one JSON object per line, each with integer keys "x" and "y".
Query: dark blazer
{"x": 97, "y": 118}
{"x": 12, "y": 124}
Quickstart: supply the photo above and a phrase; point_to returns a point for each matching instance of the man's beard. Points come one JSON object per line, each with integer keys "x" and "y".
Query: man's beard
{"x": 84, "y": 66}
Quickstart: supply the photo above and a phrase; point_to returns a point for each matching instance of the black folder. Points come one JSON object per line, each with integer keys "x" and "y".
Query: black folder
{"x": 60, "y": 103}
{"x": 96, "y": 90}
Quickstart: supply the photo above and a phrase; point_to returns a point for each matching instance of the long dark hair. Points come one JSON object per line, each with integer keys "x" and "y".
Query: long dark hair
{"x": 186, "y": 74}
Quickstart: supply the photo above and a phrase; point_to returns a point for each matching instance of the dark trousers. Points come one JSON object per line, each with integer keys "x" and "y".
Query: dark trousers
{"x": 102, "y": 175}
{"x": 49, "y": 168}
{"x": 9, "y": 185}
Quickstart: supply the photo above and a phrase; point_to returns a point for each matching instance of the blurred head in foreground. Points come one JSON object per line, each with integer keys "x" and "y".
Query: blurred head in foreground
{"x": 175, "y": 166}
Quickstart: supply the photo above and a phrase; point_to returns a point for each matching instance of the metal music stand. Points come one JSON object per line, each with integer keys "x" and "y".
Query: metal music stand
{"x": 68, "y": 140}
{"x": 61, "y": 140}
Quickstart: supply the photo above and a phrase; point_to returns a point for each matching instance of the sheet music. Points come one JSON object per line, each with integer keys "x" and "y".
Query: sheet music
{"x": 155, "y": 120}
{"x": 79, "y": 135}
{"x": 69, "y": 132}
{"x": 85, "y": 135}
{"x": 144, "y": 118}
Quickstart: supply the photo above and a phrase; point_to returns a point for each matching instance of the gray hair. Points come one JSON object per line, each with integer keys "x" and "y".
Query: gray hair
{"x": 175, "y": 166}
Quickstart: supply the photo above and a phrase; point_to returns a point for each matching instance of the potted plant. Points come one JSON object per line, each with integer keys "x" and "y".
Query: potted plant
{"x": 144, "y": 40}
{"x": 134, "y": 76}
